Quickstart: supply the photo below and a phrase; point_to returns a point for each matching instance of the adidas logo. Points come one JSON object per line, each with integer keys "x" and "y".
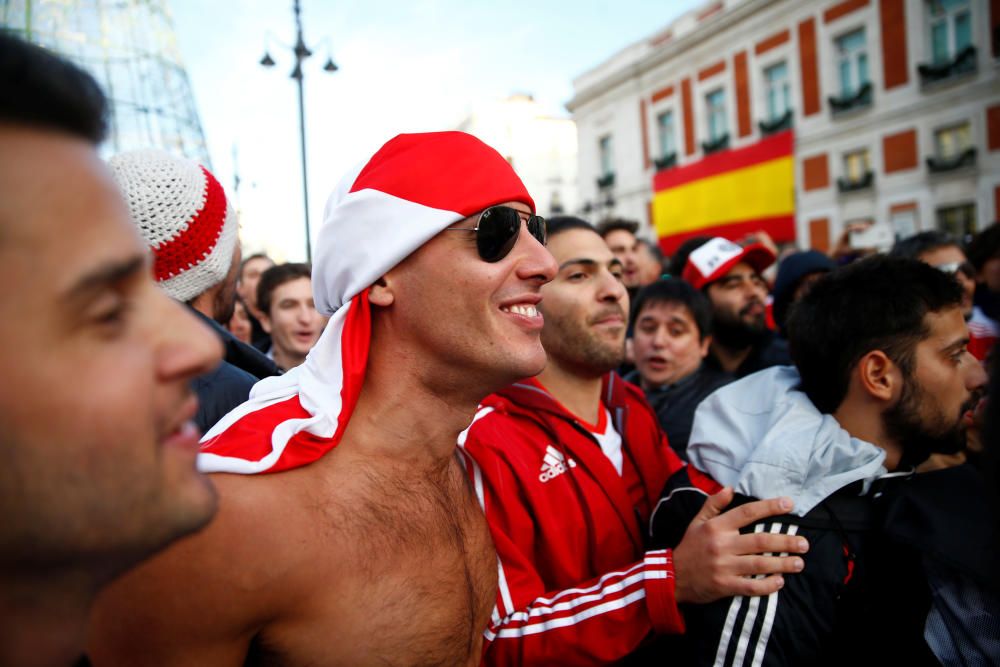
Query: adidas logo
{"x": 554, "y": 464}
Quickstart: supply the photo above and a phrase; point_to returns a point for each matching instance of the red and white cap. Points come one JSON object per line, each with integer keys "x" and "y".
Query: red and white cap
{"x": 415, "y": 186}
{"x": 184, "y": 216}
{"x": 714, "y": 259}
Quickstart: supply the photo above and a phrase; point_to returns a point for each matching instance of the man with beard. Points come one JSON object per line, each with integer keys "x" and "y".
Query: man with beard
{"x": 729, "y": 275}
{"x": 183, "y": 214}
{"x": 883, "y": 378}
{"x": 568, "y": 467}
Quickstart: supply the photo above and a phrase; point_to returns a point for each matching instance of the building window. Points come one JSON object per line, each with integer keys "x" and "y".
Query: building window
{"x": 718, "y": 133}
{"x": 777, "y": 91}
{"x": 605, "y": 151}
{"x": 665, "y": 125}
{"x": 852, "y": 62}
{"x": 607, "y": 159}
{"x": 949, "y": 24}
{"x": 953, "y": 148}
{"x": 959, "y": 221}
{"x": 715, "y": 106}
{"x": 950, "y": 142}
{"x": 668, "y": 147}
{"x": 857, "y": 171}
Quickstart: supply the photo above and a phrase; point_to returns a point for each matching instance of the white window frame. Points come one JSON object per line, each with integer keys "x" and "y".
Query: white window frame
{"x": 846, "y": 160}
{"x": 660, "y": 134}
{"x": 606, "y": 154}
{"x": 853, "y": 59}
{"x": 768, "y": 85}
{"x": 948, "y": 18}
{"x": 720, "y": 112}
{"x": 939, "y": 130}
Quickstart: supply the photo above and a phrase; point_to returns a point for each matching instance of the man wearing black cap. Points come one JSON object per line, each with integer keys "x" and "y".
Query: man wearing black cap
{"x": 729, "y": 275}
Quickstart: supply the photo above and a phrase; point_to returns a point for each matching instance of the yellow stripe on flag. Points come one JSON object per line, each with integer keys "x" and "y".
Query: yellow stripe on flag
{"x": 764, "y": 190}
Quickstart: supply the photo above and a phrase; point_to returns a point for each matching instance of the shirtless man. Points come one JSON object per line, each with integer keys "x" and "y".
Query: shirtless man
{"x": 377, "y": 551}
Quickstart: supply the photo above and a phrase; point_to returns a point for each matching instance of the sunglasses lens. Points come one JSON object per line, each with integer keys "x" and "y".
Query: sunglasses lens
{"x": 498, "y": 229}
{"x": 538, "y": 228}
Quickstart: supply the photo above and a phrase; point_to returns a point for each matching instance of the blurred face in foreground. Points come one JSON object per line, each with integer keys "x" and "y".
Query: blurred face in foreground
{"x": 585, "y": 305}
{"x": 667, "y": 343}
{"x": 96, "y": 407}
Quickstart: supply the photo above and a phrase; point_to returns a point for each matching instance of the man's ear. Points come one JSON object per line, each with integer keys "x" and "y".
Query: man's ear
{"x": 265, "y": 323}
{"x": 703, "y": 346}
{"x": 380, "y": 293}
{"x": 879, "y": 376}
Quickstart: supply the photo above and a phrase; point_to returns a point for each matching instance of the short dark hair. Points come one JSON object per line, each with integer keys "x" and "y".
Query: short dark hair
{"x": 563, "y": 223}
{"x": 256, "y": 255}
{"x": 684, "y": 250}
{"x": 675, "y": 290}
{"x": 654, "y": 249}
{"x": 614, "y": 224}
{"x": 275, "y": 277}
{"x": 913, "y": 246}
{"x": 877, "y": 303}
{"x": 41, "y": 89}
{"x": 984, "y": 246}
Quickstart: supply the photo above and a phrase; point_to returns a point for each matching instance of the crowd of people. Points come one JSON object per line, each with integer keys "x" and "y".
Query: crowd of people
{"x": 467, "y": 434}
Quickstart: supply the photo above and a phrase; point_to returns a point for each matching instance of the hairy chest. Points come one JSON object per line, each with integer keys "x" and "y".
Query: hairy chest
{"x": 412, "y": 571}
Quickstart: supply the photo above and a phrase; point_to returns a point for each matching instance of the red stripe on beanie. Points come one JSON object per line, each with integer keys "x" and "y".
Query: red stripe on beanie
{"x": 451, "y": 171}
{"x": 194, "y": 244}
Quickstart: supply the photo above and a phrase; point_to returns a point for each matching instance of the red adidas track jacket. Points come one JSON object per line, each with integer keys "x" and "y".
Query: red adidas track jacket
{"x": 576, "y": 585}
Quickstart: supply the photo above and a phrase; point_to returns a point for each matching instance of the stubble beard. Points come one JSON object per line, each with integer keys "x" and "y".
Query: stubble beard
{"x": 920, "y": 437}
{"x": 579, "y": 347}
{"x": 739, "y": 332}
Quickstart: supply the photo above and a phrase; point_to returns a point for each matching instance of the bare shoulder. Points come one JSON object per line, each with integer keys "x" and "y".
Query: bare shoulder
{"x": 209, "y": 595}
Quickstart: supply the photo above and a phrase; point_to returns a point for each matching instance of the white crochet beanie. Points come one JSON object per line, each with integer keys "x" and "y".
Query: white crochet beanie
{"x": 183, "y": 214}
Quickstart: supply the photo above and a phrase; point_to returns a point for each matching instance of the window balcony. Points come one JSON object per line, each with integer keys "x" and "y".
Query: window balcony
{"x": 606, "y": 181}
{"x": 665, "y": 161}
{"x": 964, "y": 63}
{"x": 846, "y": 185}
{"x": 775, "y": 125}
{"x": 939, "y": 165}
{"x": 716, "y": 145}
{"x": 860, "y": 99}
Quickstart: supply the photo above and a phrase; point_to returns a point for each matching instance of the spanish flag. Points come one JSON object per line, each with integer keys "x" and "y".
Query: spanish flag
{"x": 730, "y": 194}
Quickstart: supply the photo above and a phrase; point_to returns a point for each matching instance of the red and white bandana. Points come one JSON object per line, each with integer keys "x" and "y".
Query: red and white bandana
{"x": 415, "y": 186}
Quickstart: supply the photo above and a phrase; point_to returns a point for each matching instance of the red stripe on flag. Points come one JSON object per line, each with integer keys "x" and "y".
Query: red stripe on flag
{"x": 781, "y": 228}
{"x": 192, "y": 246}
{"x": 770, "y": 148}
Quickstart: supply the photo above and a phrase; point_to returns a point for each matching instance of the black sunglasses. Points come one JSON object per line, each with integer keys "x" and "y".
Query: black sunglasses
{"x": 497, "y": 230}
{"x": 952, "y": 268}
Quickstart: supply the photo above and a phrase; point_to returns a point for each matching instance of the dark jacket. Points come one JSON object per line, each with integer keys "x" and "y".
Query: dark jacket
{"x": 675, "y": 403}
{"x": 222, "y": 389}
{"x": 900, "y": 566}
{"x": 769, "y": 351}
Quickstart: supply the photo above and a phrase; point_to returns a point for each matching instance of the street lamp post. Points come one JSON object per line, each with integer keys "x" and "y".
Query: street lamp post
{"x": 301, "y": 52}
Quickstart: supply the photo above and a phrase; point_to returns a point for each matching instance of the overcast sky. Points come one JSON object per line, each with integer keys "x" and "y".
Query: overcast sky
{"x": 406, "y": 66}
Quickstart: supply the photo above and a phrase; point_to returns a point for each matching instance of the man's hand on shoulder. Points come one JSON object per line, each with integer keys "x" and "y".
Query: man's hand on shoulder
{"x": 714, "y": 560}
